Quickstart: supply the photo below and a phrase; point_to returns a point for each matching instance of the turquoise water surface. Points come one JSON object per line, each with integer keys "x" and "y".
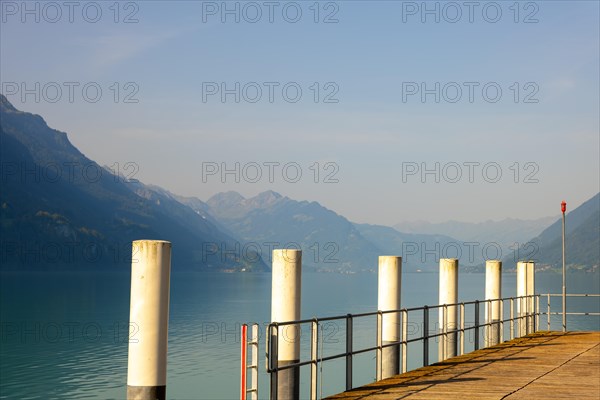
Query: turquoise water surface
{"x": 64, "y": 335}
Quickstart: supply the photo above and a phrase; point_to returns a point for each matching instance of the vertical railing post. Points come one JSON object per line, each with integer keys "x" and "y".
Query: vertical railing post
{"x": 349, "y": 351}
{"x": 443, "y": 341}
{"x": 149, "y": 320}
{"x": 512, "y": 318}
{"x": 537, "y": 313}
{"x": 462, "y": 329}
{"x": 404, "y": 340}
{"x": 476, "y": 346}
{"x": 501, "y": 321}
{"x": 548, "y": 312}
{"x": 272, "y": 357}
{"x": 388, "y": 298}
{"x": 486, "y": 328}
{"x": 493, "y": 292}
{"x": 379, "y": 356}
{"x": 285, "y": 306}
{"x": 448, "y": 294}
{"x": 314, "y": 357}
{"x": 425, "y": 336}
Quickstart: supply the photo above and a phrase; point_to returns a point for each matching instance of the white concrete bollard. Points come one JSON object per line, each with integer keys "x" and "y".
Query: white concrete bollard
{"x": 448, "y": 295}
{"x": 521, "y": 302}
{"x": 388, "y": 298}
{"x": 493, "y": 291}
{"x": 530, "y": 300}
{"x": 526, "y": 287}
{"x": 285, "y": 306}
{"x": 149, "y": 320}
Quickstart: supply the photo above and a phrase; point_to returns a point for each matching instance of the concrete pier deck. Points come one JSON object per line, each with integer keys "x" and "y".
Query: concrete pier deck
{"x": 544, "y": 365}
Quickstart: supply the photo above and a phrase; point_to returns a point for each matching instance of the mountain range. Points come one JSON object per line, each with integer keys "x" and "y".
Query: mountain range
{"x": 59, "y": 209}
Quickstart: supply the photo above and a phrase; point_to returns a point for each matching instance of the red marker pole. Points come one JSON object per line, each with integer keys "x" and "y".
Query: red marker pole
{"x": 563, "y": 208}
{"x": 243, "y": 362}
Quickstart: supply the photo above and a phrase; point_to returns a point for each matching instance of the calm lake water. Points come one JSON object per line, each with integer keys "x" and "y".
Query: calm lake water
{"x": 64, "y": 335}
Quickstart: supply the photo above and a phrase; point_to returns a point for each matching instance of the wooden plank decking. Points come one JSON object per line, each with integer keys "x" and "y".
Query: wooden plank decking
{"x": 545, "y": 365}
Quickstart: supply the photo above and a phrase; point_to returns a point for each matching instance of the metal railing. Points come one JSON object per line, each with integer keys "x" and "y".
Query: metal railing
{"x": 523, "y": 318}
{"x": 527, "y": 315}
{"x": 548, "y": 312}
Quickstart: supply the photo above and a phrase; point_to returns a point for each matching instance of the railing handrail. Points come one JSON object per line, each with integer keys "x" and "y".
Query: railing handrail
{"x": 548, "y": 313}
{"x": 524, "y": 313}
{"x": 409, "y": 309}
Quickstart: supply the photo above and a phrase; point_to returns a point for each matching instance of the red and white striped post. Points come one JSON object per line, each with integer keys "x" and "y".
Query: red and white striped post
{"x": 244, "y": 364}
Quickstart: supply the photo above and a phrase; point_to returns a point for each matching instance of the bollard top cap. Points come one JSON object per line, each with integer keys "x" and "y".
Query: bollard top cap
{"x": 287, "y": 254}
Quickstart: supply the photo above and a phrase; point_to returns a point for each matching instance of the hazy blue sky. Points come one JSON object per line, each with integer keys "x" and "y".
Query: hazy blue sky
{"x": 375, "y": 58}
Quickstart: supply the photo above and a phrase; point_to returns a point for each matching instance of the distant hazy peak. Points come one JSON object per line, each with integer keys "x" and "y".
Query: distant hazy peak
{"x": 225, "y": 198}
{"x": 269, "y": 194}
{"x": 232, "y": 198}
{"x": 264, "y": 199}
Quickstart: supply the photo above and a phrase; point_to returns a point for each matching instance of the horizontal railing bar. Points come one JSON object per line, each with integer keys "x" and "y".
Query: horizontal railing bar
{"x": 366, "y": 314}
{"x": 341, "y": 355}
{"x": 287, "y": 366}
{"x": 373, "y": 313}
{"x": 417, "y": 339}
{"x": 333, "y": 357}
{"x": 364, "y": 350}
{"x": 573, "y": 313}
